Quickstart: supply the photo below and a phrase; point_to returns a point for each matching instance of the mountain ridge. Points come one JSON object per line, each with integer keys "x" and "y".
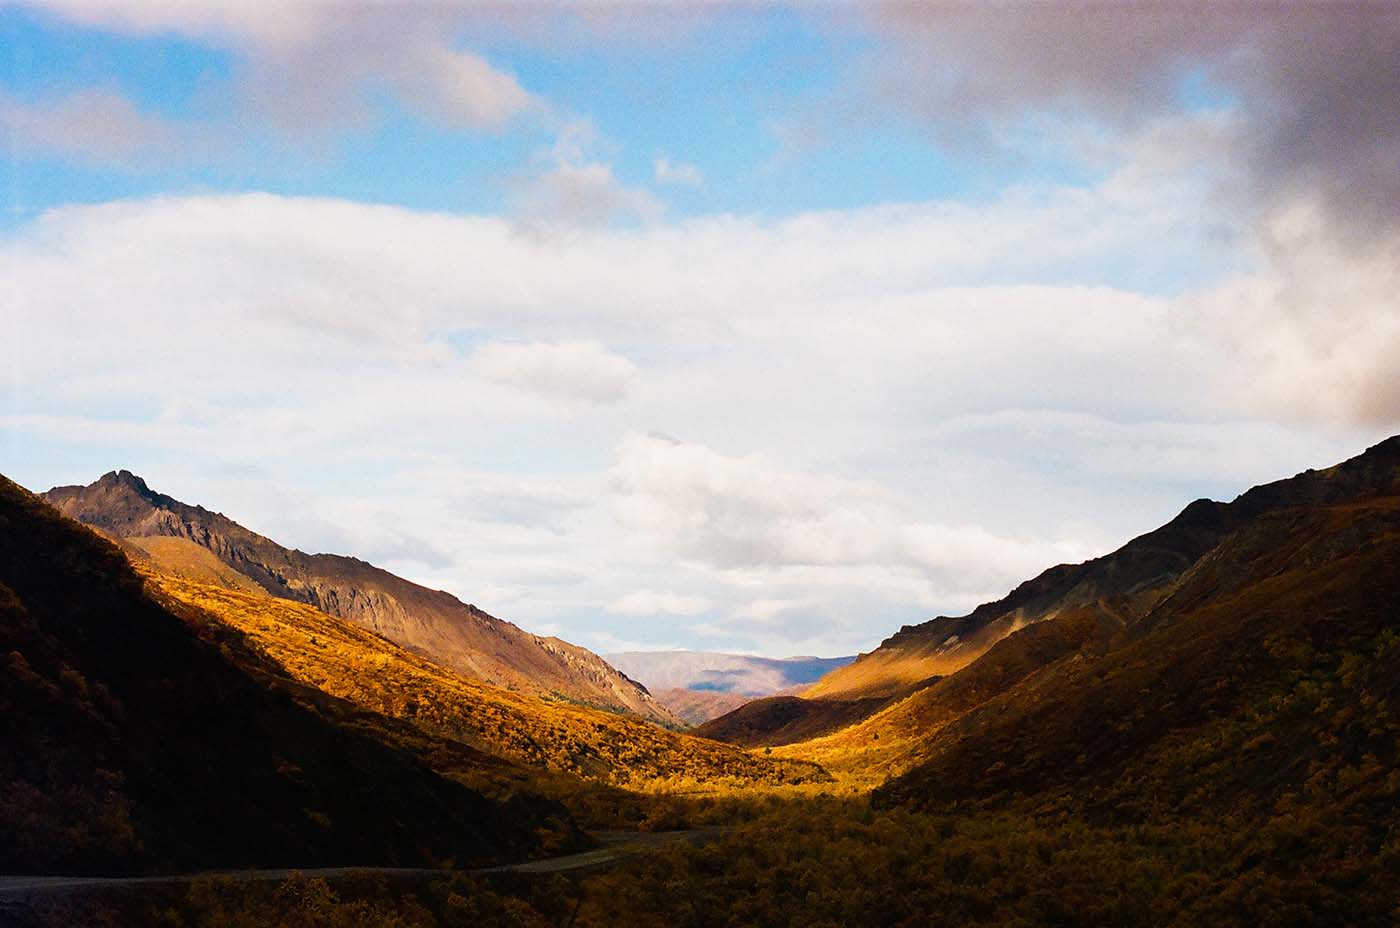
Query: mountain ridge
{"x": 138, "y": 740}
{"x": 432, "y": 622}
{"x": 1120, "y": 585}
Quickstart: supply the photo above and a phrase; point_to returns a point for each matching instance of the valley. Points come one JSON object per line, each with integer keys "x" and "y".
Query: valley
{"x": 1202, "y": 721}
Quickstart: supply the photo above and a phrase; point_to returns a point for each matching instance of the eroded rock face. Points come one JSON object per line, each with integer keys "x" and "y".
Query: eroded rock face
{"x": 431, "y": 622}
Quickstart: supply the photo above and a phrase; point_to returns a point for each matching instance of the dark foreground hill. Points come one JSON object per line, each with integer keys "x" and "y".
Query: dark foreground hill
{"x": 133, "y": 740}
{"x": 171, "y": 534}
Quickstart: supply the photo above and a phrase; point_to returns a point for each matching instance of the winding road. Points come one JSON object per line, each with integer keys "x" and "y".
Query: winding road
{"x": 616, "y": 846}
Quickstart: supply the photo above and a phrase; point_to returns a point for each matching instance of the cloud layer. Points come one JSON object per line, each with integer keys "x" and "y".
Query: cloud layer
{"x": 601, "y": 417}
{"x": 873, "y": 425}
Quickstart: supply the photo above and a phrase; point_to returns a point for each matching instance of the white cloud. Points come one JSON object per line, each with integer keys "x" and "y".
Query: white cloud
{"x": 582, "y": 194}
{"x": 574, "y": 185}
{"x": 93, "y": 126}
{"x": 676, "y": 172}
{"x": 578, "y": 370}
{"x": 651, "y": 602}
{"x": 879, "y": 424}
{"x": 743, "y": 512}
{"x": 318, "y": 66}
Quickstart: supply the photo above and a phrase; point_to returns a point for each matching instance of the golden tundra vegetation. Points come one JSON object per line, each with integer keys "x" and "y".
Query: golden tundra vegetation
{"x": 1202, "y": 728}
{"x": 348, "y": 662}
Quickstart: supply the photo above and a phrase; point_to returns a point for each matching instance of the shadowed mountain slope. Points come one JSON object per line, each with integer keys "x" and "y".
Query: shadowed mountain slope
{"x": 137, "y": 740}
{"x": 1265, "y": 681}
{"x": 1121, "y": 587}
{"x": 775, "y": 720}
{"x": 431, "y": 622}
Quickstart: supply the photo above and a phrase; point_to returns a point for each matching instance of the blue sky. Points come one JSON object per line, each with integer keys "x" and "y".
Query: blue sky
{"x": 743, "y": 97}
{"x": 764, "y": 328}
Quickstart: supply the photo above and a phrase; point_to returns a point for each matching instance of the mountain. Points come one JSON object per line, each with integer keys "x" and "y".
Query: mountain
{"x": 1261, "y": 681}
{"x": 685, "y": 674}
{"x": 1120, "y": 588}
{"x": 776, "y": 720}
{"x": 709, "y": 671}
{"x": 695, "y": 707}
{"x": 1268, "y": 660}
{"x": 138, "y": 739}
{"x": 494, "y": 739}
{"x": 174, "y": 537}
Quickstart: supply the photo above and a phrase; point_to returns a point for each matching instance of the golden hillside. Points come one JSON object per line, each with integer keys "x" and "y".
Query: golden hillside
{"x": 353, "y": 664}
{"x": 431, "y": 622}
{"x": 894, "y": 739}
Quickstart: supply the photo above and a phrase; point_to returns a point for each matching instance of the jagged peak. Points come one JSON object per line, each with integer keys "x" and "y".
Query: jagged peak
{"x": 124, "y": 478}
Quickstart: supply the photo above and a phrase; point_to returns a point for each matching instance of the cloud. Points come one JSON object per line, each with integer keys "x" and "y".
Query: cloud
{"x": 737, "y": 512}
{"x": 582, "y": 194}
{"x": 580, "y": 370}
{"x": 313, "y": 67}
{"x": 676, "y": 172}
{"x": 889, "y": 412}
{"x": 650, "y": 602}
{"x": 91, "y": 126}
{"x": 574, "y": 185}
{"x": 1316, "y": 336}
{"x": 1310, "y": 88}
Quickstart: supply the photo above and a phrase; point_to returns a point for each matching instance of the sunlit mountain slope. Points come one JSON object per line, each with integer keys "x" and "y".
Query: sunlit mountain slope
{"x": 430, "y": 621}
{"x": 133, "y": 740}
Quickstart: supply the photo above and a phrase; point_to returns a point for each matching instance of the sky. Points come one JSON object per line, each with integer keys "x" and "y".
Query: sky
{"x": 765, "y": 328}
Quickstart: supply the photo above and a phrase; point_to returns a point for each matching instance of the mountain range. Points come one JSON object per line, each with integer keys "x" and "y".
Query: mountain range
{"x": 191, "y": 541}
{"x": 1094, "y": 677}
{"x": 700, "y": 685}
{"x": 1203, "y": 724}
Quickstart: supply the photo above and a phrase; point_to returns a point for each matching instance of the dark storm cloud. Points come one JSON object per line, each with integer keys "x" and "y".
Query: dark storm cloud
{"x": 1314, "y": 88}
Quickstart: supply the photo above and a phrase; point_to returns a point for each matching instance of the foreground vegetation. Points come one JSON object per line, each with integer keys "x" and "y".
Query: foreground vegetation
{"x": 842, "y": 862}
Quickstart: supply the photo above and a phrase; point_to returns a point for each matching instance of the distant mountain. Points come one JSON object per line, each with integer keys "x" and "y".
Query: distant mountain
{"x": 695, "y": 707}
{"x": 723, "y": 673}
{"x": 680, "y": 678}
{"x": 177, "y": 538}
{"x": 135, "y": 740}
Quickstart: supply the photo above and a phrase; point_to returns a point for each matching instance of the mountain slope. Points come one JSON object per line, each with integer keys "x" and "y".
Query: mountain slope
{"x": 350, "y": 664}
{"x": 776, "y": 720}
{"x": 432, "y": 622}
{"x": 135, "y": 740}
{"x": 1265, "y": 682}
{"x": 1120, "y": 587}
{"x": 696, "y": 707}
